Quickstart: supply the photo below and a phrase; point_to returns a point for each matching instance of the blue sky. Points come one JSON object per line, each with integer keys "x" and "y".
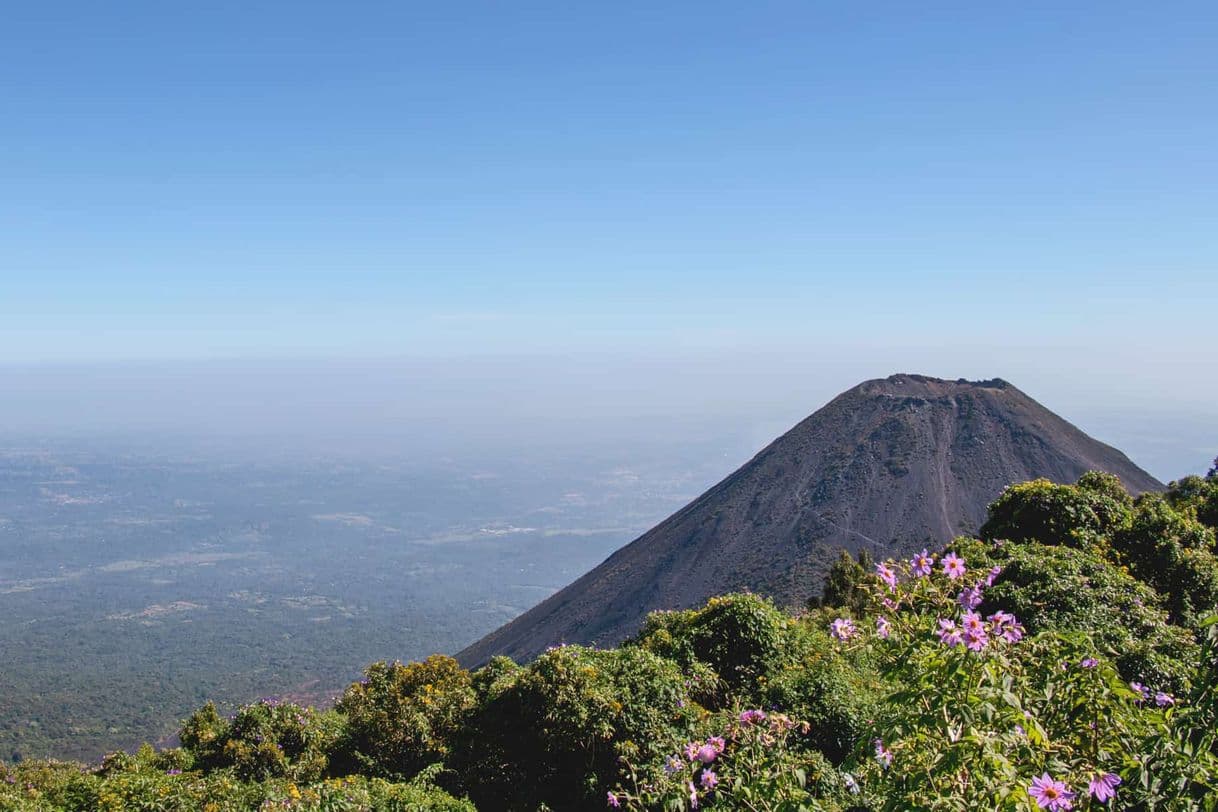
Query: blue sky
{"x": 262, "y": 179}
{"x": 979, "y": 188}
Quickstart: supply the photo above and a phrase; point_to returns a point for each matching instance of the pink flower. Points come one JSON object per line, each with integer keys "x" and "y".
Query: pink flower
{"x": 691, "y": 751}
{"x": 1012, "y": 632}
{"x": 842, "y": 628}
{"x": 999, "y": 618}
{"x": 1103, "y": 787}
{"x": 707, "y": 753}
{"x": 886, "y": 575}
{"x": 949, "y": 633}
{"x": 613, "y": 801}
{"x": 972, "y": 622}
{"x": 693, "y": 795}
{"x": 1006, "y": 626}
{"x": 953, "y": 566}
{"x": 882, "y": 627}
{"x": 922, "y": 563}
{"x": 708, "y": 779}
{"x": 718, "y": 743}
{"x": 1050, "y": 794}
{"x": 975, "y": 640}
{"x": 970, "y": 598}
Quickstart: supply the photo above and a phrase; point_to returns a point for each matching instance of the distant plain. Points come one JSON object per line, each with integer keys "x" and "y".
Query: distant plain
{"x": 135, "y": 586}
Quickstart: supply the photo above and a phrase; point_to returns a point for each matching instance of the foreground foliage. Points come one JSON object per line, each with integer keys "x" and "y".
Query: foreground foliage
{"x": 1066, "y": 660}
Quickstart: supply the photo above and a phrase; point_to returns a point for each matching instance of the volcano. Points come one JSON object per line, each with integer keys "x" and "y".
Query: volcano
{"x": 891, "y": 465}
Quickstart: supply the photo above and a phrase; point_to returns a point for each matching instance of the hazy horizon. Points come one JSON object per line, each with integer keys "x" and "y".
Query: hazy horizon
{"x": 489, "y": 406}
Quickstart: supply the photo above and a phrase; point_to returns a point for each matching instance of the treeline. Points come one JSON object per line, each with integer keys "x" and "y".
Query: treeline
{"x": 1067, "y": 659}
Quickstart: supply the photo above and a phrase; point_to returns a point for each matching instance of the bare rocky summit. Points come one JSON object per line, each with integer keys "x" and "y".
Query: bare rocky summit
{"x": 891, "y": 465}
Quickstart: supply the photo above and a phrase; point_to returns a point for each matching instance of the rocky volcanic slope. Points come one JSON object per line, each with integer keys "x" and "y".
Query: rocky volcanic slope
{"x": 890, "y": 465}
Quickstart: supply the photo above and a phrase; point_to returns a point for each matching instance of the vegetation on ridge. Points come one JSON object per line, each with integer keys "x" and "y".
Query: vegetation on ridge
{"x": 1066, "y": 660}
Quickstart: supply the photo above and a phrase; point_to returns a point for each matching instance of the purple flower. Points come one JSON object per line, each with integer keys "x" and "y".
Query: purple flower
{"x": 1140, "y": 689}
{"x": 975, "y": 640}
{"x": 718, "y": 743}
{"x": 693, "y": 795}
{"x": 970, "y": 598}
{"x": 674, "y": 765}
{"x": 752, "y": 717}
{"x": 922, "y": 564}
{"x": 882, "y": 627}
{"x": 1103, "y": 787}
{"x": 173, "y": 772}
{"x": 949, "y": 633}
{"x": 883, "y": 754}
{"x": 886, "y": 575}
{"x": 1164, "y": 700}
{"x": 1006, "y": 626}
{"x": 613, "y": 801}
{"x": 1089, "y": 662}
{"x": 691, "y": 751}
{"x": 993, "y": 574}
{"x": 1050, "y": 794}
{"x": 842, "y": 628}
{"x": 708, "y": 779}
{"x": 972, "y": 622}
{"x": 707, "y": 753}
{"x": 953, "y": 566}
{"x": 999, "y": 618}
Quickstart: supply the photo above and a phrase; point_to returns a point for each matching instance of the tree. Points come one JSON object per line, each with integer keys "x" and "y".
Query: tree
{"x": 844, "y": 583}
{"x": 1174, "y": 553}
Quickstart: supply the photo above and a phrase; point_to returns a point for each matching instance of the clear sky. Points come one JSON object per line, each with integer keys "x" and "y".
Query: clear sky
{"x": 976, "y": 188}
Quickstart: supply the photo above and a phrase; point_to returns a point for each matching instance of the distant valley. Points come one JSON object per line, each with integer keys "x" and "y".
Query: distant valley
{"x": 136, "y": 586}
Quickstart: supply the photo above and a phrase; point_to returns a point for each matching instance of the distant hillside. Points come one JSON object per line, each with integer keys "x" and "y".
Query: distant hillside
{"x": 890, "y": 465}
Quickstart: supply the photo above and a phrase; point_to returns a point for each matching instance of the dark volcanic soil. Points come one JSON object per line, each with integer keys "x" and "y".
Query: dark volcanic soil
{"x": 891, "y": 465}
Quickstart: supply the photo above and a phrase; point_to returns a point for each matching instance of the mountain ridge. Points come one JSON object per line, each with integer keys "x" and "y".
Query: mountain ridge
{"x": 889, "y": 465}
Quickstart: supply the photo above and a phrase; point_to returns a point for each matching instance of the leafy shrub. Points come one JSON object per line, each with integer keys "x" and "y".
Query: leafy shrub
{"x": 553, "y": 733}
{"x": 741, "y": 637}
{"x": 1070, "y": 590}
{"x": 751, "y": 764}
{"x": 401, "y": 718}
{"x": 981, "y": 717}
{"x": 267, "y": 739}
{"x": 1074, "y": 515}
{"x": 1197, "y": 497}
{"x": 834, "y": 693}
{"x": 39, "y": 785}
